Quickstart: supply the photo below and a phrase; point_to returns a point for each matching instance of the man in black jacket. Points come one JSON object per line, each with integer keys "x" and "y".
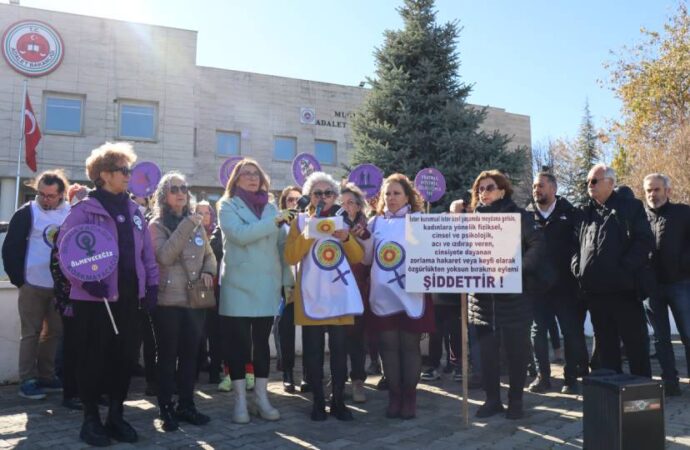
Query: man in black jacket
{"x": 670, "y": 224}
{"x": 614, "y": 244}
{"x": 558, "y": 220}
{"x": 26, "y": 256}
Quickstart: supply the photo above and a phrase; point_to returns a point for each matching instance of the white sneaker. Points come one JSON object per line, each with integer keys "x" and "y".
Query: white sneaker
{"x": 225, "y": 384}
{"x": 430, "y": 375}
{"x": 358, "y": 395}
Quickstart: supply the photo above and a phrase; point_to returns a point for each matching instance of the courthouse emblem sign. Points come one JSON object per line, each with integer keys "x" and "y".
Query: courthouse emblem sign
{"x": 32, "y": 48}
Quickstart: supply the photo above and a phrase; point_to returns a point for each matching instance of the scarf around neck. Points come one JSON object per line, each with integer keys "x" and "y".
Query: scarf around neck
{"x": 256, "y": 201}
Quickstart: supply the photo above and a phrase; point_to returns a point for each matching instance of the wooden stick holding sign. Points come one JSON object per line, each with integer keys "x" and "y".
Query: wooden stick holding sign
{"x": 465, "y": 360}
{"x": 90, "y": 253}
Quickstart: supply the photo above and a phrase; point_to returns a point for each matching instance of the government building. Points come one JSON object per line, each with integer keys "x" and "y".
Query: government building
{"x": 92, "y": 80}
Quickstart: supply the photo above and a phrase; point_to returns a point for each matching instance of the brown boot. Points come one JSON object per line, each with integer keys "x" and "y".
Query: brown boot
{"x": 409, "y": 403}
{"x": 394, "y": 402}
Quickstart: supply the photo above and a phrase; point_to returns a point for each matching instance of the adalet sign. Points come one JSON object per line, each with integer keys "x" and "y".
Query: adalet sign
{"x": 32, "y": 48}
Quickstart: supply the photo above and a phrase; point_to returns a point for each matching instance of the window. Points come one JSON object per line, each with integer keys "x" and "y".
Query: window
{"x": 64, "y": 113}
{"x": 284, "y": 148}
{"x": 227, "y": 143}
{"x": 138, "y": 120}
{"x": 325, "y": 152}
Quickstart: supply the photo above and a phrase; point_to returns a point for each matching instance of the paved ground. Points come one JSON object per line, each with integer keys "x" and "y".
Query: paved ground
{"x": 552, "y": 421}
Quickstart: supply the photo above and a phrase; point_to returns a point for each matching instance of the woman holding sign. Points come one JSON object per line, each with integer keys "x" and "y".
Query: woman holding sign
{"x": 326, "y": 295}
{"x": 399, "y": 317}
{"x": 252, "y": 277}
{"x": 505, "y": 318}
{"x": 109, "y": 344}
{"x": 184, "y": 255}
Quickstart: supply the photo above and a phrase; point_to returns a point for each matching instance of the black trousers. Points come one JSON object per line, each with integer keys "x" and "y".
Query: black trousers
{"x": 105, "y": 361}
{"x": 447, "y": 319}
{"x": 70, "y": 351}
{"x": 245, "y": 340}
{"x": 179, "y": 332}
{"x": 286, "y": 332}
{"x": 615, "y": 317}
{"x": 150, "y": 350}
{"x": 356, "y": 350}
{"x": 568, "y": 311}
{"x": 515, "y": 340}
{"x": 314, "y": 346}
{"x": 211, "y": 343}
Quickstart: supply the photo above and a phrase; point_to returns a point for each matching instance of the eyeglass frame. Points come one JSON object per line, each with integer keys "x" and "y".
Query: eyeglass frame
{"x": 488, "y": 189}
{"x": 124, "y": 170}
{"x": 323, "y": 194}
{"x": 595, "y": 181}
{"x": 178, "y": 188}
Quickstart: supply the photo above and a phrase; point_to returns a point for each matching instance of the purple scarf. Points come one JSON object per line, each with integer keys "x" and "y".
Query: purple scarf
{"x": 254, "y": 200}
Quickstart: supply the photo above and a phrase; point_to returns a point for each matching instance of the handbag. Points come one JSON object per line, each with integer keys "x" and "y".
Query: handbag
{"x": 199, "y": 296}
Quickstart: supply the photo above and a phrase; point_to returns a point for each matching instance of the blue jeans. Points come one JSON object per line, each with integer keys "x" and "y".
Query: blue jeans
{"x": 568, "y": 310}
{"x": 677, "y": 297}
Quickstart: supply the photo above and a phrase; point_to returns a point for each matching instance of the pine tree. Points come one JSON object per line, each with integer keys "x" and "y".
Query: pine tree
{"x": 417, "y": 115}
{"x": 587, "y": 154}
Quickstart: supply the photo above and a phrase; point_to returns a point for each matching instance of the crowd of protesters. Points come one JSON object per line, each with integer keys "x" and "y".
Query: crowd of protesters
{"x": 622, "y": 260}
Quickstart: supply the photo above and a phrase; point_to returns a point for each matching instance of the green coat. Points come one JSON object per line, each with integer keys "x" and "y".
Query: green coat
{"x": 253, "y": 270}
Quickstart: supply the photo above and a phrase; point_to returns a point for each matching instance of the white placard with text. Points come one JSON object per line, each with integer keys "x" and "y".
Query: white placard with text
{"x": 472, "y": 253}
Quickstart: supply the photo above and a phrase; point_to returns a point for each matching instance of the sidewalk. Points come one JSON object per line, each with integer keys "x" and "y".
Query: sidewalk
{"x": 552, "y": 421}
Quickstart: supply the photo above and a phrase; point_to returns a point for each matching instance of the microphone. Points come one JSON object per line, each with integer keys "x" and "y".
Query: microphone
{"x": 346, "y": 217}
{"x": 303, "y": 202}
{"x": 319, "y": 208}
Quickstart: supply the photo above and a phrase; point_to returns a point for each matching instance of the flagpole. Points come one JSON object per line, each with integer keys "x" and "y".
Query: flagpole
{"x": 19, "y": 151}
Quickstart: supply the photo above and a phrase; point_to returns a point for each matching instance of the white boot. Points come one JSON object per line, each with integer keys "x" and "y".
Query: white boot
{"x": 240, "y": 413}
{"x": 262, "y": 407}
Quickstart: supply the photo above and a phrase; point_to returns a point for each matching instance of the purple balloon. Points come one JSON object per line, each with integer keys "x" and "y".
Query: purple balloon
{"x": 368, "y": 178}
{"x": 431, "y": 184}
{"x": 304, "y": 165}
{"x": 226, "y": 169}
{"x": 88, "y": 253}
{"x": 144, "y": 179}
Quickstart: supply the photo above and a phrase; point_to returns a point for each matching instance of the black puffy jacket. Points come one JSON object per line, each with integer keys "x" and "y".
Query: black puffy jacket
{"x": 512, "y": 310}
{"x": 671, "y": 227}
{"x": 614, "y": 245}
{"x": 561, "y": 243}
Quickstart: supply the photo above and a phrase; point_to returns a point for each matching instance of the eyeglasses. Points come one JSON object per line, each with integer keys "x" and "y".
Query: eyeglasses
{"x": 594, "y": 181}
{"x": 320, "y": 194}
{"x": 489, "y": 188}
{"x": 174, "y": 189}
{"x": 291, "y": 199}
{"x": 48, "y": 196}
{"x": 249, "y": 174}
{"x": 126, "y": 171}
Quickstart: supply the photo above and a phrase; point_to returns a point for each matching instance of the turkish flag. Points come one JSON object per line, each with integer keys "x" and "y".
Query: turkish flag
{"x": 31, "y": 134}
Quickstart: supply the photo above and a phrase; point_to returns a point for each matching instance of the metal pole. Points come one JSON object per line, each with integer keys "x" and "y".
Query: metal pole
{"x": 19, "y": 151}
{"x": 465, "y": 361}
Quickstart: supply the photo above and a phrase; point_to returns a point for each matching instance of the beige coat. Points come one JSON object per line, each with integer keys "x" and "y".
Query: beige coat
{"x": 169, "y": 248}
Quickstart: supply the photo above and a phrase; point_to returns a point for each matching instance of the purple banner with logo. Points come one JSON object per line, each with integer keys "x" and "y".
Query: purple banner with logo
{"x": 226, "y": 169}
{"x": 431, "y": 184}
{"x": 88, "y": 253}
{"x": 144, "y": 179}
{"x": 368, "y": 178}
{"x": 304, "y": 165}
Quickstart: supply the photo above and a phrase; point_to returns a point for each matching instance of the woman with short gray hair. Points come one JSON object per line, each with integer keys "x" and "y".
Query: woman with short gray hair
{"x": 324, "y": 304}
{"x": 183, "y": 253}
